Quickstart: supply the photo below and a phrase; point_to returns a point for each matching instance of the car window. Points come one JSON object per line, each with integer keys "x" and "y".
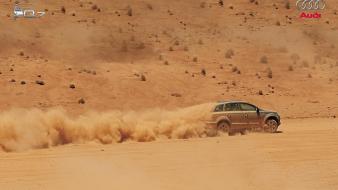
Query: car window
{"x": 231, "y": 107}
{"x": 219, "y": 108}
{"x": 247, "y": 107}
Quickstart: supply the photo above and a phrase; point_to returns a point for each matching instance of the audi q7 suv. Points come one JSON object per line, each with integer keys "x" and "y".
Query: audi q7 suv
{"x": 239, "y": 116}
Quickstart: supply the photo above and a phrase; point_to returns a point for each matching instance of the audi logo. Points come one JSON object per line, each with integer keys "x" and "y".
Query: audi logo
{"x": 310, "y": 4}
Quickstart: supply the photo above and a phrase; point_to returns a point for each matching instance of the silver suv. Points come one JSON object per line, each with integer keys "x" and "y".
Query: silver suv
{"x": 239, "y": 116}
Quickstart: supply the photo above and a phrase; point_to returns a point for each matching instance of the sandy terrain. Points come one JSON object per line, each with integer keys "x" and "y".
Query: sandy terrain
{"x": 303, "y": 156}
{"x": 105, "y": 72}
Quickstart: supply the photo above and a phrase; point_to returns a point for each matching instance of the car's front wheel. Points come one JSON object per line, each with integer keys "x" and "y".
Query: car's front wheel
{"x": 271, "y": 126}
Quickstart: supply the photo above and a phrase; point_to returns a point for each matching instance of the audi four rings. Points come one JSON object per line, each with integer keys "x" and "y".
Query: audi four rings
{"x": 310, "y": 4}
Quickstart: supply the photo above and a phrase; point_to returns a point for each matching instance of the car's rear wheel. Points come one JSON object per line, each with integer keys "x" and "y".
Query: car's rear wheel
{"x": 223, "y": 126}
{"x": 271, "y": 126}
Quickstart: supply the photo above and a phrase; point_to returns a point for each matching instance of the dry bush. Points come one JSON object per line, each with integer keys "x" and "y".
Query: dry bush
{"x": 290, "y": 68}
{"x": 40, "y": 82}
{"x": 260, "y": 92}
{"x": 309, "y": 76}
{"x": 94, "y": 7}
{"x": 220, "y": 3}
{"x": 132, "y": 38}
{"x": 171, "y": 48}
{"x": 149, "y": 6}
{"x": 229, "y": 54}
{"x": 203, "y": 4}
{"x": 203, "y": 72}
{"x": 143, "y": 78}
{"x": 166, "y": 63}
{"x": 186, "y": 48}
{"x": 195, "y": 59}
{"x": 176, "y": 95}
{"x": 129, "y": 11}
{"x": 269, "y": 72}
{"x": 264, "y": 59}
{"x": 200, "y": 42}
{"x": 234, "y": 69}
{"x": 141, "y": 45}
{"x": 63, "y": 9}
{"x": 305, "y": 64}
{"x": 81, "y": 101}
{"x": 287, "y": 5}
{"x": 72, "y": 86}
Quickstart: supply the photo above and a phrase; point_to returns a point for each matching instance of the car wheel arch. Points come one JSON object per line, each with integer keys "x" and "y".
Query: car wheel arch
{"x": 271, "y": 117}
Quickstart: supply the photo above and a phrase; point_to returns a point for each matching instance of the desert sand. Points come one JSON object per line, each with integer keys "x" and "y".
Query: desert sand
{"x": 304, "y": 156}
{"x": 114, "y": 94}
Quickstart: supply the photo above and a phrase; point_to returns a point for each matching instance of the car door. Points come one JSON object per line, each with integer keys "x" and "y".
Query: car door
{"x": 250, "y": 114}
{"x": 235, "y": 115}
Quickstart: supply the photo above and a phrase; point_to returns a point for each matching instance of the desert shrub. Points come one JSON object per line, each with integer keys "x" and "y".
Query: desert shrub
{"x": 290, "y": 68}
{"x": 94, "y": 7}
{"x": 203, "y": 72}
{"x": 269, "y": 73}
{"x": 143, "y": 78}
{"x": 129, "y": 11}
{"x": 287, "y": 5}
{"x": 229, "y": 53}
{"x": 81, "y": 101}
{"x": 264, "y": 59}
{"x": 63, "y": 9}
{"x": 149, "y": 6}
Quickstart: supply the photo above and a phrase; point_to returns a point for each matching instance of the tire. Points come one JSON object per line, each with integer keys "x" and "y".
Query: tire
{"x": 223, "y": 126}
{"x": 271, "y": 126}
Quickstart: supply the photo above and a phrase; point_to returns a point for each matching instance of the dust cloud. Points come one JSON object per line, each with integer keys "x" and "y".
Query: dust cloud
{"x": 22, "y": 129}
